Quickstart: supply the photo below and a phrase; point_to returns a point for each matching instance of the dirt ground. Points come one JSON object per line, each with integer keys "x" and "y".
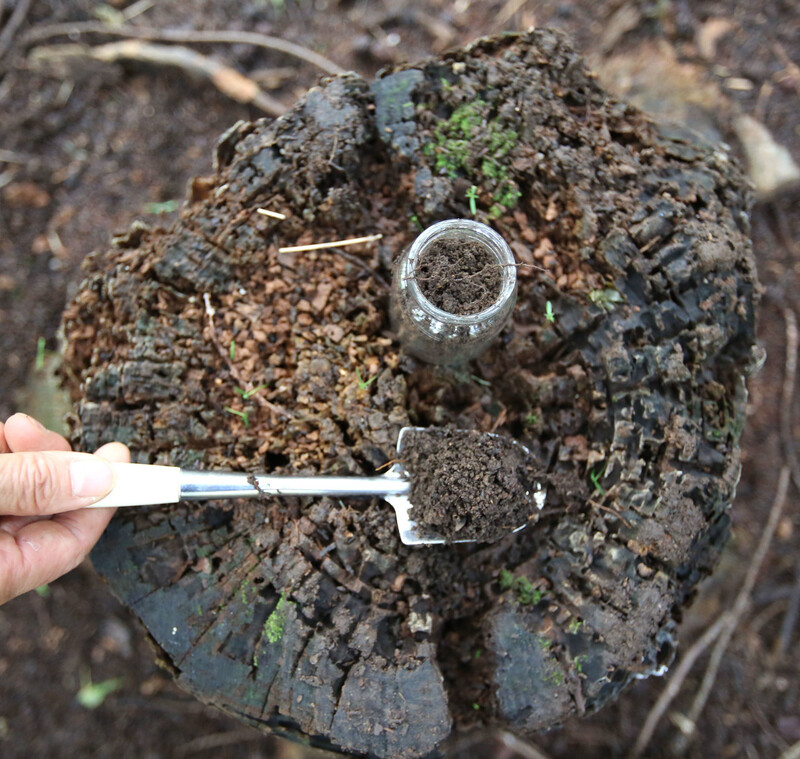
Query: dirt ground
{"x": 86, "y": 148}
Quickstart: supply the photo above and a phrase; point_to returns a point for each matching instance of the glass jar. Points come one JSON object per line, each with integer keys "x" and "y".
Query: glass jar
{"x": 437, "y": 336}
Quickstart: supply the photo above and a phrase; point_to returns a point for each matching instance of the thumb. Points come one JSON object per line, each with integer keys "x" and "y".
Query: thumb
{"x": 49, "y": 482}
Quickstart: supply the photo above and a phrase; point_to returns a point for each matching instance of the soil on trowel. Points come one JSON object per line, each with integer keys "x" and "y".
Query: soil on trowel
{"x": 211, "y": 345}
{"x": 469, "y": 485}
{"x": 459, "y": 277}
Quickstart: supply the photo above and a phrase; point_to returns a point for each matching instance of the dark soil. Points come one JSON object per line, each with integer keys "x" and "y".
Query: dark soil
{"x": 469, "y": 485}
{"x": 86, "y": 154}
{"x": 460, "y": 278}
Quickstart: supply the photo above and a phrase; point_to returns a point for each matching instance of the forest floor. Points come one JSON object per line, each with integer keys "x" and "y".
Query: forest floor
{"x": 87, "y": 147}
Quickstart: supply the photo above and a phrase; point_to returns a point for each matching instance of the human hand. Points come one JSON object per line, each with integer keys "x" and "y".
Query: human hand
{"x": 45, "y": 531}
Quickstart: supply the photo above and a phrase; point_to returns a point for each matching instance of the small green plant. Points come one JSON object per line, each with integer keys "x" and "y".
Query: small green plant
{"x": 248, "y": 393}
{"x": 579, "y": 661}
{"x": 362, "y": 383}
{"x": 522, "y": 587}
{"x": 548, "y": 313}
{"x": 478, "y": 653}
{"x": 41, "y": 343}
{"x": 91, "y": 695}
{"x": 595, "y": 478}
{"x": 232, "y": 350}
{"x": 276, "y": 622}
{"x": 168, "y": 206}
{"x": 574, "y": 626}
{"x": 472, "y": 197}
{"x": 415, "y": 220}
{"x": 243, "y": 415}
{"x": 476, "y": 706}
{"x": 545, "y": 643}
{"x": 607, "y": 299}
{"x": 554, "y": 678}
{"x": 531, "y": 419}
{"x": 43, "y": 591}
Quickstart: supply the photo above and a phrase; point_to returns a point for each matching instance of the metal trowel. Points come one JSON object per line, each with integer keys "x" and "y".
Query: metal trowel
{"x": 148, "y": 484}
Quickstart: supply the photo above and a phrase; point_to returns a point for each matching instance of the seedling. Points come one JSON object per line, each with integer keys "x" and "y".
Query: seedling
{"x": 40, "y": 346}
{"x": 91, "y": 695}
{"x": 531, "y": 419}
{"x": 574, "y": 626}
{"x": 548, "y": 313}
{"x": 43, "y": 591}
{"x": 362, "y": 383}
{"x": 595, "y": 478}
{"x": 415, "y": 220}
{"x": 472, "y": 197}
{"x": 607, "y": 299}
{"x": 243, "y": 415}
{"x": 248, "y": 393}
{"x": 168, "y": 206}
{"x": 232, "y": 350}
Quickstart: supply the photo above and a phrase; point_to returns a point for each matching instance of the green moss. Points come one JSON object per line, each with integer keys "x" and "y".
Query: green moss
{"x": 555, "y": 677}
{"x": 469, "y": 144}
{"x": 523, "y": 588}
{"x": 276, "y": 622}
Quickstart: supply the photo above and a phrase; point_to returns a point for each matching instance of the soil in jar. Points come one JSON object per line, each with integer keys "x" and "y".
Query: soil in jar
{"x": 469, "y": 485}
{"x": 461, "y": 278}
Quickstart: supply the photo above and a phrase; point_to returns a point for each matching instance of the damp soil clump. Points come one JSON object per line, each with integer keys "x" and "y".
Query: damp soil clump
{"x": 459, "y": 277}
{"x": 469, "y": 485}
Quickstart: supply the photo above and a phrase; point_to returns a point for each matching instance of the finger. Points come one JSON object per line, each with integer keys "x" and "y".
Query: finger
{"x": 44, "y": 550}
{"x": 24, "y": 433}
{"x": 3, "y": 445}
{"x": 49, "y": 482}
{"x": 116, "y": 452}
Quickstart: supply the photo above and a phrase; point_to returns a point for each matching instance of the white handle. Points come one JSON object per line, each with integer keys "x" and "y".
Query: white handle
{"x": 142, "y": 485}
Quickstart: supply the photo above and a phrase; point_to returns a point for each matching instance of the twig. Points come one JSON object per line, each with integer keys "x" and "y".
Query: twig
{"x": 230, "y": 82}
{"x": 611, "y": 511}
{"x": 793, "y": 752}
{"x": 674, "y": 685}
{"x": 271, "y": 214}
{"x": 184, "y": 36}
{"x": 333, "y": 244}
{"x": 137, "y": 9}
{"x": 790, "y": 617}
{"x": 739, "y": 607}
{"x": 787, "y": 393}
{"x": 218, "y": 740}
{"x": 731, "y": 619}
{"x": 225, "y": 355}
{"x": 722, "y": 630}
{"x": 12, "y": 25}
{"x": 508, "y": 10}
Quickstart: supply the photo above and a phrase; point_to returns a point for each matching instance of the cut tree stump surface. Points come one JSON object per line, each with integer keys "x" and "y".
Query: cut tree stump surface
{"x": 623, "y": 372}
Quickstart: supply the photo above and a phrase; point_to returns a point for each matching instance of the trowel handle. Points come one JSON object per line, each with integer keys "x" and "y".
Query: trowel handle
{"x": 144, "y": 484}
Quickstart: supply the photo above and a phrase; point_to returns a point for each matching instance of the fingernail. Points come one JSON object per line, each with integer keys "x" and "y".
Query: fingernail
{"x": 90, "y": 477}
{"x": 35, "y": 422}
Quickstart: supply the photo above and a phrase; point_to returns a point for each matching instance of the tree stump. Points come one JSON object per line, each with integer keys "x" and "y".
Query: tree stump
{"x": 208, "y": 346}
